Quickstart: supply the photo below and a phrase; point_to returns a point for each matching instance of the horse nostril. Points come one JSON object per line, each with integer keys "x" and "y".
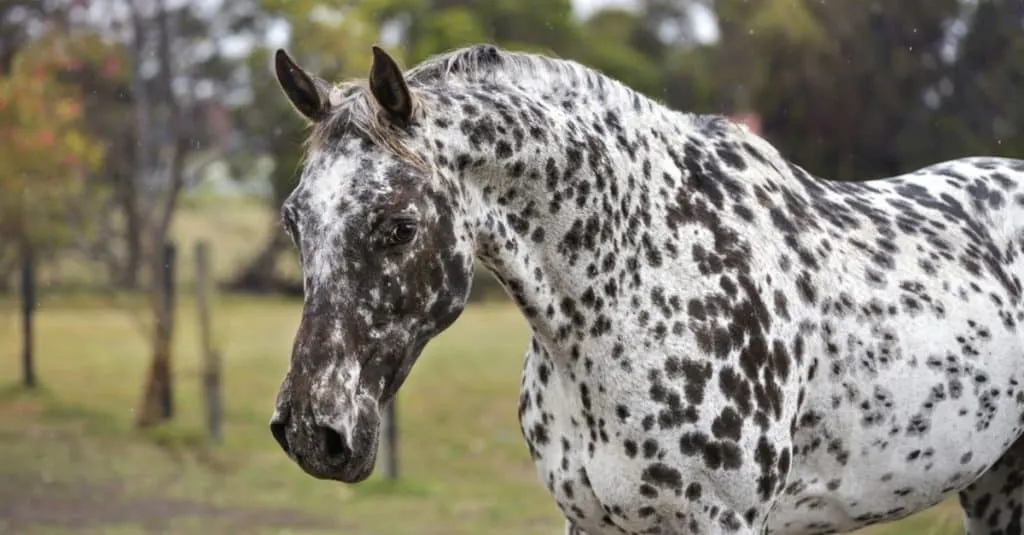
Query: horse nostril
{"x": 334, "y": 444}
{"x": 277, "y": 428}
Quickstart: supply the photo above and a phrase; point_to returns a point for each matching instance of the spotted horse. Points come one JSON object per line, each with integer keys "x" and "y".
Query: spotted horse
{"x": 721, "y": 342}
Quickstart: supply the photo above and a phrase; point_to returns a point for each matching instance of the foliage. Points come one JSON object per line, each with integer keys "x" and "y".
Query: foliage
{"x": 981, "y": 109}
{"x": 612, "y": 41}
{"x": 857, "y": 90}
{"x": 448, "y": 28}
{"x": 45, "y": 154}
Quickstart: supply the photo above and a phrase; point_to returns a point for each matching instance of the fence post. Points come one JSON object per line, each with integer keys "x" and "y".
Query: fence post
{"x": 390, "y": 441}
{"x": 211, "y": 355}
{"x": 28, "y": 301}
{"x": 170, "y": 259}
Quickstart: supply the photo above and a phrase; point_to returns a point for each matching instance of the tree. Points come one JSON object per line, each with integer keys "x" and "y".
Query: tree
{"x": 617, "y": 42}
{"x": 45, "y": 154}
{"x": 977, "y": 104}
{"x": 145, "y": 81}
{"x": 101, "y": 72}
{"x": 838, "y": 84}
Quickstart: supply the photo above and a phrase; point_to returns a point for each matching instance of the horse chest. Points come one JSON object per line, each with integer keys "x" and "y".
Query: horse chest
{"x": 562, "y": 437}
{"x": 617, "y": 458}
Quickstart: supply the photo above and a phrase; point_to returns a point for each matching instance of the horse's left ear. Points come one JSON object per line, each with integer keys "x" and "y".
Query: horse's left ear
{"x": 388, "y": 86}
{"x": 309, "y": 94}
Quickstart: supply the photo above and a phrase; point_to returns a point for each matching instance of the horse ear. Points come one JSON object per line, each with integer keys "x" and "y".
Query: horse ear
{"x": 307, "y": 93}
{"x": 388, "y": 86}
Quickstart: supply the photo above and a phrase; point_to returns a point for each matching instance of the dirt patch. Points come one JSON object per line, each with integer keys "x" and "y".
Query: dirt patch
{"x": 27, "y": 500}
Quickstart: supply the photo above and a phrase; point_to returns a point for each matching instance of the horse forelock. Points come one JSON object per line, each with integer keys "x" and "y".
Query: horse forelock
{"x": 354, "y": 110}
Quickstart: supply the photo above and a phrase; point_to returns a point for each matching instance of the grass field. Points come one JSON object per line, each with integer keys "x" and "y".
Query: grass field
{"x": 71, "y": 463}
{"x": 464, "y": 465}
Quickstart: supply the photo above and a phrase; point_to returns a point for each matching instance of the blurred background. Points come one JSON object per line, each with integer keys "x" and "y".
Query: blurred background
{"x": 148, "y": 297}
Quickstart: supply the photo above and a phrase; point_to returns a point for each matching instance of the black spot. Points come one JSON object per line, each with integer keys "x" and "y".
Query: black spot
{"x": 663, "y": 476}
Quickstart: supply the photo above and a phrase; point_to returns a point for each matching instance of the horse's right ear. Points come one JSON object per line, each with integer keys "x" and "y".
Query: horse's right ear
{"x": 388, "y": 86}
{"x": 309, "y": 94}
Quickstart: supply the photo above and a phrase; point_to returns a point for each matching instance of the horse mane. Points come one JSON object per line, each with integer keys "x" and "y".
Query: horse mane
{"x": 489, "y": 63}
{"x": 355, "y": 108}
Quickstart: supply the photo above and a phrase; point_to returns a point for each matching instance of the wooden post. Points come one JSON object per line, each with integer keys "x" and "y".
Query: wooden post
{"x": 390, "y": 441}
{"x": 211, "y": 356}
{"x": 169, "y": 261}
{"x": 28, "y": 301}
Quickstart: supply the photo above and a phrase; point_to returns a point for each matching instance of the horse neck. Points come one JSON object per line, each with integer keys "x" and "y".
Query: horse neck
{"x": 579, "y": 181}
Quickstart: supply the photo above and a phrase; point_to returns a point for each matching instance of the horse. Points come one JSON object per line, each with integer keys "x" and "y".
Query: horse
{"x": 721, "y": 342}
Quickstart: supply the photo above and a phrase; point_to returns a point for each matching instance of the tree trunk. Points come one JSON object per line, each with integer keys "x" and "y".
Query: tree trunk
{"x": 159, "y": 387}
{"x": 133, "y": 235}
{"x": 6, "y": 274}
{"x": 158, "y": 383}
{"x": 156, "y": 397}
{"x": 133, "y": 258}
{"x": 143, "y": 165}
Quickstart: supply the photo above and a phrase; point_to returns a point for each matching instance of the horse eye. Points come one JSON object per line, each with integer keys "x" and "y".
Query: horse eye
{"x": 402, "y": 232}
